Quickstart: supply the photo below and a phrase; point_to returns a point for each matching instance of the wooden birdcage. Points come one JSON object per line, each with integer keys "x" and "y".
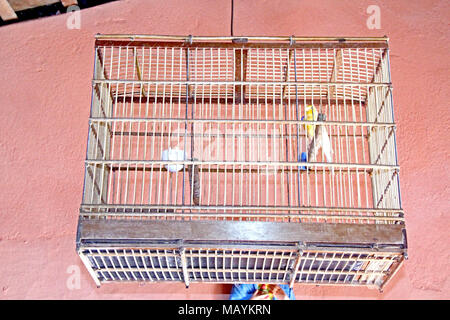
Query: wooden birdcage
{"x": 242, "y": 160}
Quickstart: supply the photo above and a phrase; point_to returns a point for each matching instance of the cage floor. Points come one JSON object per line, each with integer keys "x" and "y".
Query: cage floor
{"x": 318, "y": 267}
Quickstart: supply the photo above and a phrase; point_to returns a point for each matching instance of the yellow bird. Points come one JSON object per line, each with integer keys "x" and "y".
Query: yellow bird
{"x": 311, "y": 115}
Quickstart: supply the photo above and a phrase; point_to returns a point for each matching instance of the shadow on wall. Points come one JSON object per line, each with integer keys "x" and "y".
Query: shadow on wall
{"x": 47, "y": 10}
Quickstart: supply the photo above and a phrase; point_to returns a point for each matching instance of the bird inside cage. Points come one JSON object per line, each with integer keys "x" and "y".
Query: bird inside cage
{"x": 317, "y": 135}
{"x": 311, "y": 115}
{"x": 320, "y": 140}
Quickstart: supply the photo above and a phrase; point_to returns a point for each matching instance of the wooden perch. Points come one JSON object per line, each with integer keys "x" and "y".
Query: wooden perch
{"x": 6, "y": 11}
{"x": 337, "y": 65}
{"x": 67, "y": 3}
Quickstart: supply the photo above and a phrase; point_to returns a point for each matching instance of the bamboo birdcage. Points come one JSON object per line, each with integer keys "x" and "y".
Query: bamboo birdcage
{"x": 238, "y": 202}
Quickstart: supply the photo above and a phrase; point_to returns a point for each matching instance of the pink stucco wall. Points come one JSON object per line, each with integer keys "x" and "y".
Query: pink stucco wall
{"x": 45, "y": 81}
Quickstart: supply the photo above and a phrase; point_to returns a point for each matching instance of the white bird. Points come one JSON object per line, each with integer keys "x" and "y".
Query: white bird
{"x": 320, "y": 140}
{"x": 173, "y": 155}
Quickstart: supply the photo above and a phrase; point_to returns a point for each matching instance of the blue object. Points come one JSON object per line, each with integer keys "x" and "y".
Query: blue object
{"x": 246, "y": 291}
{"x": 302, "y": 159}
{"x": 303, "y": 156}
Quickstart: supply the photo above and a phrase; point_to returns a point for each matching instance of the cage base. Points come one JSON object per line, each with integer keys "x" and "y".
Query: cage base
{"x": 239, "y": 252}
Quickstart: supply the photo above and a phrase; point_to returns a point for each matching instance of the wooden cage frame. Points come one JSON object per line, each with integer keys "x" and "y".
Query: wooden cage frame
{"x": 318, "y": 222}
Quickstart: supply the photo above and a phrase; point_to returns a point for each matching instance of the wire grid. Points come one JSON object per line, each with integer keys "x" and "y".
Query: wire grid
{"x": 242, "y": 266}
{"x": 236, "y": 115}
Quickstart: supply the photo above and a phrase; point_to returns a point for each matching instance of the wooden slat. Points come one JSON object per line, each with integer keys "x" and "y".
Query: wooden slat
{"x": 336, "y": 67}
{"x": 94, "y": 229}
{"x": 227, "y": 100}
{"x": 239, "y": 39}
{"x": 286, "y": 74}
{"x": 248, "y": 45}
{"x": 19, "y": 5}
{"x": 240, "y": 73}
{"x": 67, "y": 3}
{"x": 6, "y": 12}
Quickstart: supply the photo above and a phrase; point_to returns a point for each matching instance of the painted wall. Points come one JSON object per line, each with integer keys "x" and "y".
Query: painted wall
{"x": 45, "y": 81}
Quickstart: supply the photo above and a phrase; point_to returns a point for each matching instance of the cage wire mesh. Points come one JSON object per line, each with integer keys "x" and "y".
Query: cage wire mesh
{"x": 241, "y": 266}
{"x": 285, "y": 130}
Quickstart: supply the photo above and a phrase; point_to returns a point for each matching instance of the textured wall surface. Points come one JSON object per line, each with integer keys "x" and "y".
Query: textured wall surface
{"x": 45, "y": 81}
